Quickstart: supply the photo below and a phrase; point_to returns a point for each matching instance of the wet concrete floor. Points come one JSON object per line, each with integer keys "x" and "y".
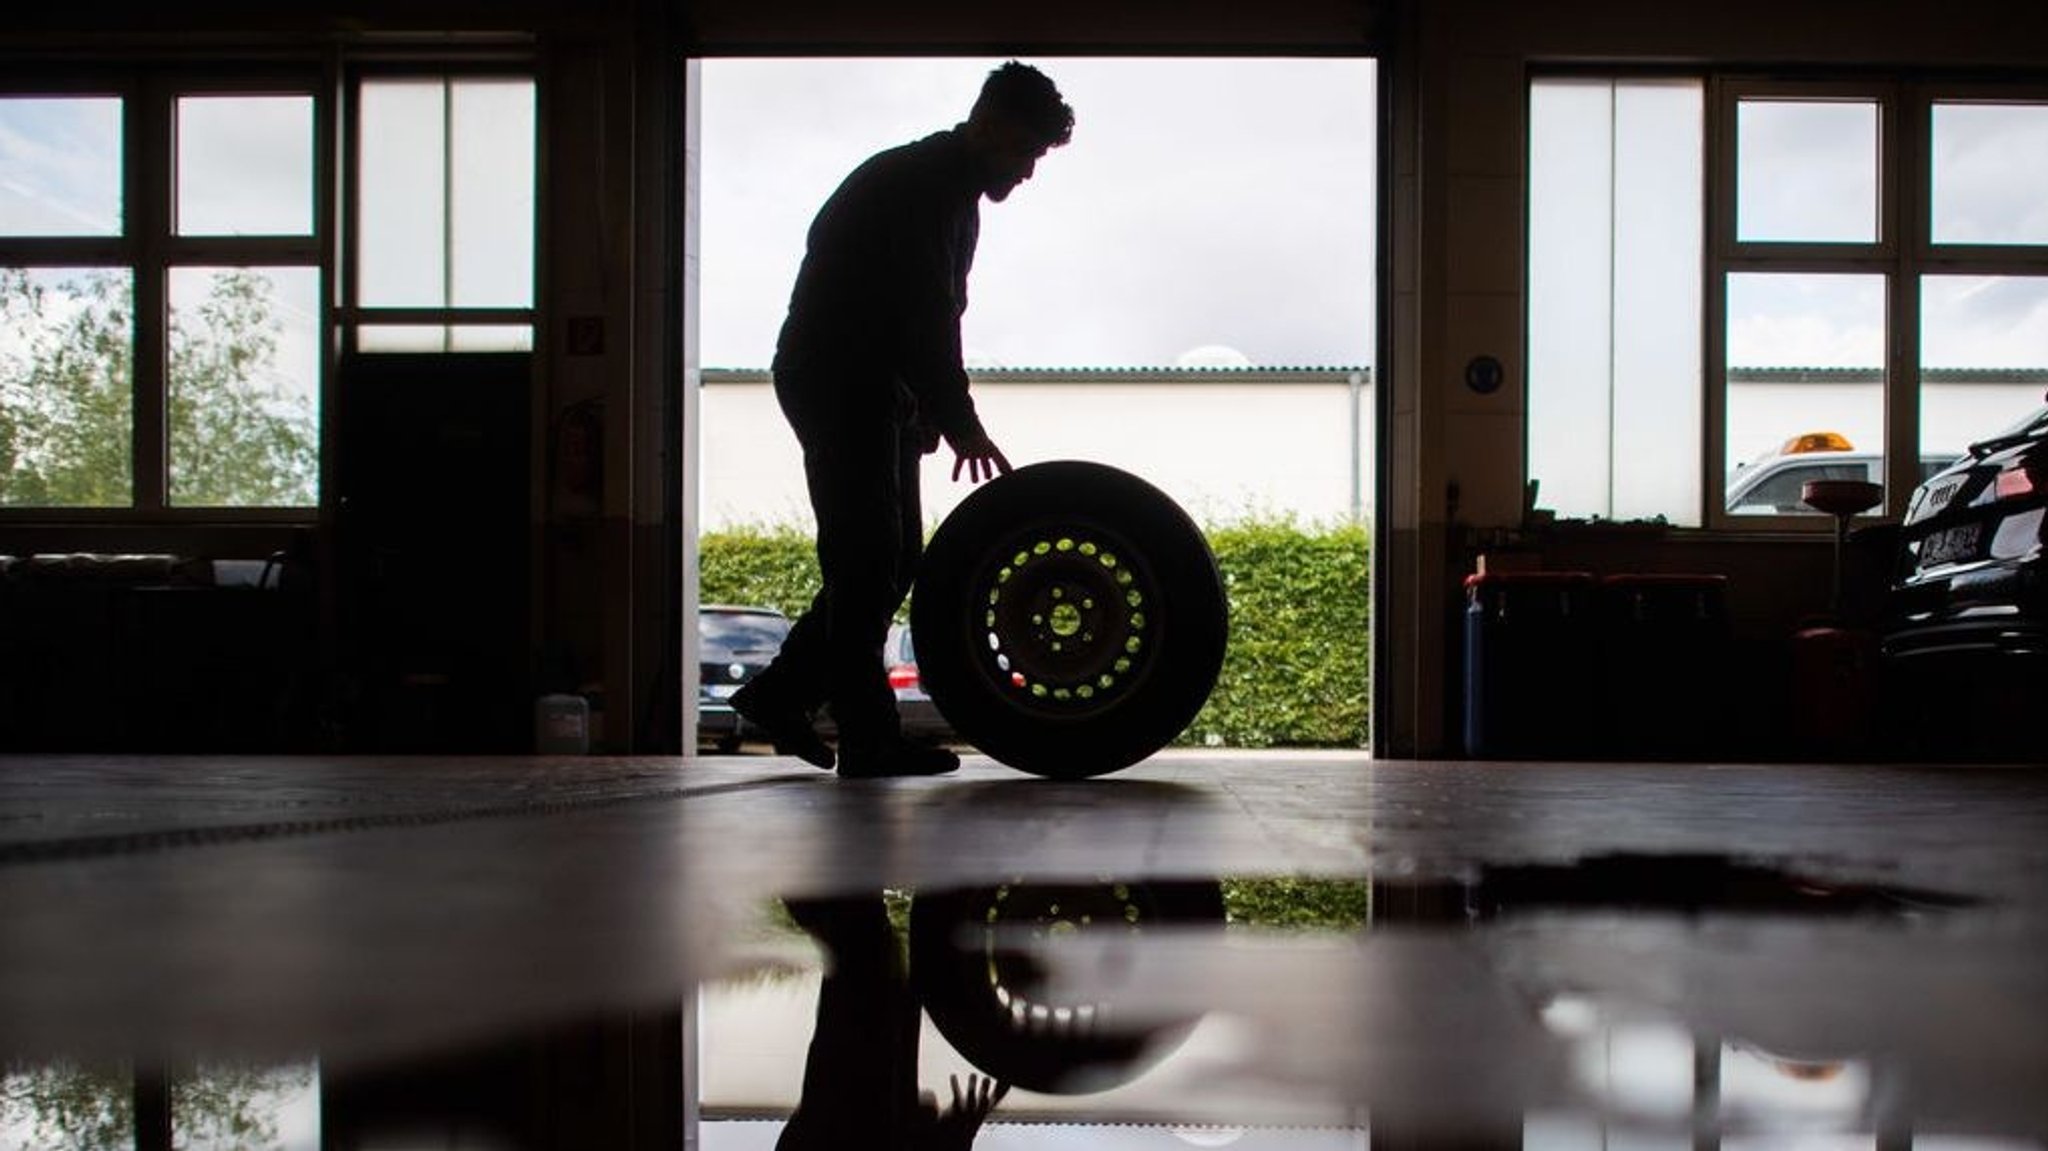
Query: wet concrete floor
{"x": 1297, "y": 949}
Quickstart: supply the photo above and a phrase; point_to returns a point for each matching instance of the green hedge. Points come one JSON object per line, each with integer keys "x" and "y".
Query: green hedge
{"x": 1296, "y": 671}
{"x": 773, "y": 566}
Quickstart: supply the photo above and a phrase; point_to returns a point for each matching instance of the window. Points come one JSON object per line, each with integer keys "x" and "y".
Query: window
{"x": 1805, "y": 246}
{"x": 1614, "y": 297}
{"x": 444, "y": 184}
{"x": 1870, "y": 276}
{"x": 166, "y": 274}
{"x": 162, "y": 317}
{"x": 63, "y": 159}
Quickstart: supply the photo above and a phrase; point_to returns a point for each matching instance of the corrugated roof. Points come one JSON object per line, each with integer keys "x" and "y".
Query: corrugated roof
{"x": 1770, "y": 374}
{"x": 1337, "y": 374}
{"x": 1792, "y": 375}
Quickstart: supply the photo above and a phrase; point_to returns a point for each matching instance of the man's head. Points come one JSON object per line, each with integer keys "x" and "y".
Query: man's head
{"x": 1018, "y": 117}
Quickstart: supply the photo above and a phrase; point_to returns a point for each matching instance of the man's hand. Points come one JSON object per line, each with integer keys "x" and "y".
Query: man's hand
{"x": 954, "y": 1128}
{"x": 979, "y": 455}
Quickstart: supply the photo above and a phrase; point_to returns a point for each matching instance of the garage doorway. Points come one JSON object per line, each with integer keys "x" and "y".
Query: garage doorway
{"x": 1185, "y": 291}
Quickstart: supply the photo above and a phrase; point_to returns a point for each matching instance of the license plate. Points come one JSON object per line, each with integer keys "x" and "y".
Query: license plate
{"x": 721, "y": 690}
{"x": 1951, "y": 545}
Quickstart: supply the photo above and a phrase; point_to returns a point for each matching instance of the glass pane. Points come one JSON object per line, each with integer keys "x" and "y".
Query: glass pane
{"x": 66, "y": 1104}
{"x": 66, "y": 392}
{"x": 1805, "y": 386}
{"x": 445, "y": 338}
{"x": 1990, "y": 174}
{"x": 447, "y": 193}
{"x": 490, "y": 338}
{"x": 491, "y": 201}
{"x": 245, "y": 166}
{"x": 1806, "y": 171}
{"x": 402, "y": 338}
{"x": 401, "y": 193}
{"x": 1614, "y": 298}
{"x": 244, "y": 385}
{"x": 62, "y": 159}
{"x": 228, "y": 1107}
{"x": 1983, "y": 358}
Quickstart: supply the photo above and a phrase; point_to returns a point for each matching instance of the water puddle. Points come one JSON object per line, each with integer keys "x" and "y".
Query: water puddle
{"x": 1667, "y": 1003}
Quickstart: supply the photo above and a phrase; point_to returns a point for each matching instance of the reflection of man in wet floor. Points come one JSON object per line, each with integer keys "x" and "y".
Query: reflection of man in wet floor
{"x": 868, "y": 372}
{"x": 860, "y": 1076}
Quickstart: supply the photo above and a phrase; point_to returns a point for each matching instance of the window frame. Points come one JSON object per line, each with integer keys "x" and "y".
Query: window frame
{"x": 1903, "y": 253}
{"x": 149, "y": 248}
{"x": 350, "y": 316}
{"x": 1728, "y": 255}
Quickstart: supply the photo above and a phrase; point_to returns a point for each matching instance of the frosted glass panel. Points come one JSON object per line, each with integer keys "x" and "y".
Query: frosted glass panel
{"x": 491, "y": 208}
{"x": 447, "y": 192}
{"x": 445, "y": 338}
{"x": 401, "y": 188}
{"x": 1614, "y": 298}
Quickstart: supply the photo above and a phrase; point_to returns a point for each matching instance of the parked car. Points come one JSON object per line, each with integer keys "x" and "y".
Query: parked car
{"x": 734, "y": 644}
{"x": 921, "y": 718}
{"x": 1964, "y": 640}
{"x": 1771, "y": 484}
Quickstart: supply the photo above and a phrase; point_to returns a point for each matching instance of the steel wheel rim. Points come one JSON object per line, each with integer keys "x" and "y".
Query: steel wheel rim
{"x": 1070, "y": 620}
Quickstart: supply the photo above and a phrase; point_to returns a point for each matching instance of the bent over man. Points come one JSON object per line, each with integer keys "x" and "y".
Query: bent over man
{"x": 868, "y": 372}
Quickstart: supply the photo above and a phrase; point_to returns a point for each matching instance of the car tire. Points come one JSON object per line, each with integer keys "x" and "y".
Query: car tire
{"x": 975, "y": 973}
{"x": 1069, "y": 619}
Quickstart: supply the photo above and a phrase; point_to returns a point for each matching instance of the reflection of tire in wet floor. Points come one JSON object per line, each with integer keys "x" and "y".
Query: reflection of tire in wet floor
{"x": 977, "y": 957}
{"x": 1069, "y": 619}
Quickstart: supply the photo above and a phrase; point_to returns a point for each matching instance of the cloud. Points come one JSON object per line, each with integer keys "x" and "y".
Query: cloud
{"x": 61, "y": 157}
{"x": 1984, "y": 321}
{"x": 1990, "y": 164}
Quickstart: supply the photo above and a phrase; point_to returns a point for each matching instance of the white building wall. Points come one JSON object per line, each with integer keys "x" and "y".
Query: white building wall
{"x": 1222, "y": 450}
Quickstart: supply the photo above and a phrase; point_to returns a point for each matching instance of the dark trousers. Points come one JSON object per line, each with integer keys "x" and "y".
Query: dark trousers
{"x": 863, "y": 479}
{"x": 860, "y": 1074}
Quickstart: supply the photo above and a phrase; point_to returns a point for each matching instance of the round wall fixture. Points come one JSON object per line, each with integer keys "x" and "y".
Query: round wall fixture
{"x": 1485, "y": 374}
{"x": 1069, "y": 619}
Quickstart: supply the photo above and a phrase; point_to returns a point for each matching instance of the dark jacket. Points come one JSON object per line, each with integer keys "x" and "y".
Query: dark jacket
{"x": 874, "y": 320}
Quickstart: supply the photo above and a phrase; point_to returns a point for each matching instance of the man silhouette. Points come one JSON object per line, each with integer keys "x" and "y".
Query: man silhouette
{"x": 860, "y": 1086}
{"x": 868, "y": 372}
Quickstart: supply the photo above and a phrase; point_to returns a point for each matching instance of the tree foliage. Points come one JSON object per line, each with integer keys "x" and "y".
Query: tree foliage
{"x": 236, "y": 435}
{"x": 65, "y": 399}
{"x": 93, "y": 1108}
{"x": 760, "y": 566}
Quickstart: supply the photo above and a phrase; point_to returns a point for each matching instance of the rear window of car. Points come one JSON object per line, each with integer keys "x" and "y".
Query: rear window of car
{"x": 740, "y": 631}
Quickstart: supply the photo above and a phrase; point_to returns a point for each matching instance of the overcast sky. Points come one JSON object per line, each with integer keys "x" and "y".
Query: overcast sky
{"x": 1201, "y": 203}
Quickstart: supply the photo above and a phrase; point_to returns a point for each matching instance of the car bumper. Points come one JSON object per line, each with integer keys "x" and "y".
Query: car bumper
{"x": 716, "y": 720}
{"x": 1982, "y": 633}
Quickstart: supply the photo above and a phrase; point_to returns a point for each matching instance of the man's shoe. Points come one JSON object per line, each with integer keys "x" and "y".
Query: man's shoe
{"x": 896, "y": 760}
{"x": 788, "y": 728}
